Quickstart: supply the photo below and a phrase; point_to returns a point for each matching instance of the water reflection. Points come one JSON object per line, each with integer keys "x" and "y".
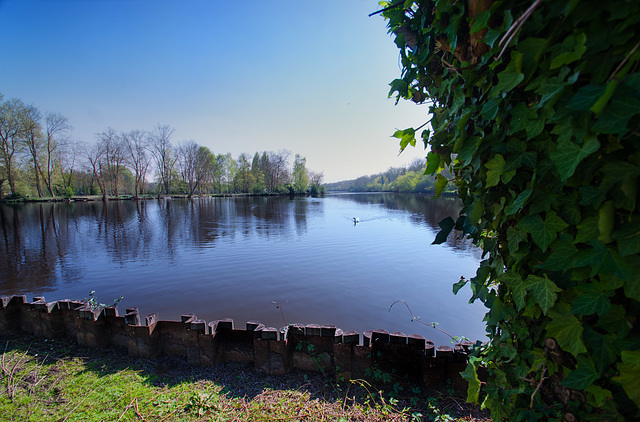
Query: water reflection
{"x": 423, "y": 209}
{"x": 39, "y": 239}
{"x": 230, "y": 257}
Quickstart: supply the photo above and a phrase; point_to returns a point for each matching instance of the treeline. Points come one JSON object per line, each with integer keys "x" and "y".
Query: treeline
{"x": 408, "y": 179}
{"x": 38, "y": 158}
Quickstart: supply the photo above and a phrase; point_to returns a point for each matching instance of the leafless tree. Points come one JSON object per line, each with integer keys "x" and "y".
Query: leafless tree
{"x": 162, "y": 152}
{"x": 33, "y": 140}
{"x": 136, "y": 144}
{"x": 195, "y": 164}
{"x": 95, "y": 155}
{"x": 10, "y": 112}
{"x": 316, "y": 178}
{"x": 68, "y": 153}
{"x": 57, "y": 128}
{"x": 114, "y": 154}
{"x": 275, "y": 167}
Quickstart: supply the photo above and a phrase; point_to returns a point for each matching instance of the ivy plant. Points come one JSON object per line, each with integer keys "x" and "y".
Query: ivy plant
{"x": 534, "y": 108}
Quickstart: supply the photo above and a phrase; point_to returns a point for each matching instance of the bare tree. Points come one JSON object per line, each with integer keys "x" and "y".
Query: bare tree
{"x": 68, "y": 152}
{"x": 136, "y": 144}
{"x": 33, "y": 139}
{"x": 162, "y": 152}
{"x": 316, "y": 178}
{"x": 114, "y": 154}
{"x": 275, "y": 167}
{"x": 195, "y": 164}
{"x": 10, "y": 112}
{"x": 95, "y": 155}
{"x": 57, "y": 127}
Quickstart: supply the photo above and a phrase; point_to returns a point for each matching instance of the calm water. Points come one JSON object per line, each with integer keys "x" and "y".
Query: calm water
{"x": 235, "y": 257}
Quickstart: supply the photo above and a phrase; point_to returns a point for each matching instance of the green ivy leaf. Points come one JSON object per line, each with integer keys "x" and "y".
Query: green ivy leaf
{"x": 603, "y": 348}
{"x": 600, "y": 395}
{"x": 471, "y": 376}
{"x": 568, "y": 155}
{"x": 591, "y": 300}
{"x": 495, "y": 167}
{"x": 446, "y": 226}
{"x": 567, "y": 330}
{"x": 543, "y": 290}
{"x": 401, "y": 87}
{"x": 531, "y": 49}
{"x": 534, "y": 127}
{"x": 586, "y": 97}
{"x": 507, "y": 80}
{"x": 616, "y": 115}
{"x": 518, "y": 203}
{"x": 477, "y": 209}
{"x": 581, "y": 377}
{"x": 492, "y": 36}
{"x": 615, "y": 321}
{"x": 481, "y": 21}
{"x": 490, "y": 109}
{"x": 407, "y": 137}
{"x": 591, "y": 195}
{"x": 609, "y": 89}
{"x": 603, "y": 260}
{"x": 516, "y": 286}
{"x": 519, "y": 116}
{"x": 629, "y": 376}
{"x": 587, "y": 230}
{"x": 549, "y": 88}
{"x": 468, "y": 148}
{"x": 441, "y": 184}
{"x": 433, "y": 162}
{"x": 615, "y": 173}
{"x": 459, "y": 285}
{"x": 542, "y": 232}
{"x": 562, "y": 254}
{"x": 573, "y": 47}
{"x": 514, "y": 237}
{"x": 628, "y": 239}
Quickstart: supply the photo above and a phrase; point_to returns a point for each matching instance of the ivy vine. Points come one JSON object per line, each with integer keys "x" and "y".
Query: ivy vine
{"x": 535, "y": 109}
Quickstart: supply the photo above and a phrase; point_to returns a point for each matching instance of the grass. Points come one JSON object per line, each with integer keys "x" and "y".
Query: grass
{"x": 55, "y": 380}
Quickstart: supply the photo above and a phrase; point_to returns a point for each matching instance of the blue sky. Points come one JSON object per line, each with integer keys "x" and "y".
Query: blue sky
{"x": 307, "y": 76}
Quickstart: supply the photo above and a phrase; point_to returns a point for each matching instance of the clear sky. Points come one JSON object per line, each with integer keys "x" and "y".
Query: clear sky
{"x": 307, "y": 76}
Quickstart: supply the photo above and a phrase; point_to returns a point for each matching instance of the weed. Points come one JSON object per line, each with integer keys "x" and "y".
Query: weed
{"x": 93, "y": 303}
{"x": 434, "y": 325}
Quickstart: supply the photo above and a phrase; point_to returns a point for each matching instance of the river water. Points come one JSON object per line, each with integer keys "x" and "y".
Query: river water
{"x": 241, "y": 257}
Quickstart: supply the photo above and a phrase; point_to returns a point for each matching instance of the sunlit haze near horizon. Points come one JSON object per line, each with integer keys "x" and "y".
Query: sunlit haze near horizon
{"x": 311, "y": 77}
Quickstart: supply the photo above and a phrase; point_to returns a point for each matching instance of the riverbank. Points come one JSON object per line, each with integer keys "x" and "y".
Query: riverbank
{"x": 58, "y": 380}
{"x": 93, "y": 198}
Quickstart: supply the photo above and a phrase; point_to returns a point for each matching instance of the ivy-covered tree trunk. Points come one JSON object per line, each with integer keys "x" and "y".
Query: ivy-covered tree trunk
{"x": 535, "y": 110}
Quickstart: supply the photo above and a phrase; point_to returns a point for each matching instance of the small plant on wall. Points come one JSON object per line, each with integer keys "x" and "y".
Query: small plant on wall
{"x": 93, "y": 303}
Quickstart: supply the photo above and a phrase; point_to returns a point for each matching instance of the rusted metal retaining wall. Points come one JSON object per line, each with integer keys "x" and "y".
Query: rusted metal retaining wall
{"x": 314, "y": 348}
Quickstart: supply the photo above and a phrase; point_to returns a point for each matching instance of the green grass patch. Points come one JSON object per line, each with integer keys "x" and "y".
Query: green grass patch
{"x": 55, "y": 380}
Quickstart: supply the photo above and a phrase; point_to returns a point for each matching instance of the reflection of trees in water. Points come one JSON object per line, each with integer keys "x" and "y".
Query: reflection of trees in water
{"x": 270, "y": 216}
{"x": 423, "y": 209}
{"x": 43, "y": 243}
{"x": 36, "y": 242}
